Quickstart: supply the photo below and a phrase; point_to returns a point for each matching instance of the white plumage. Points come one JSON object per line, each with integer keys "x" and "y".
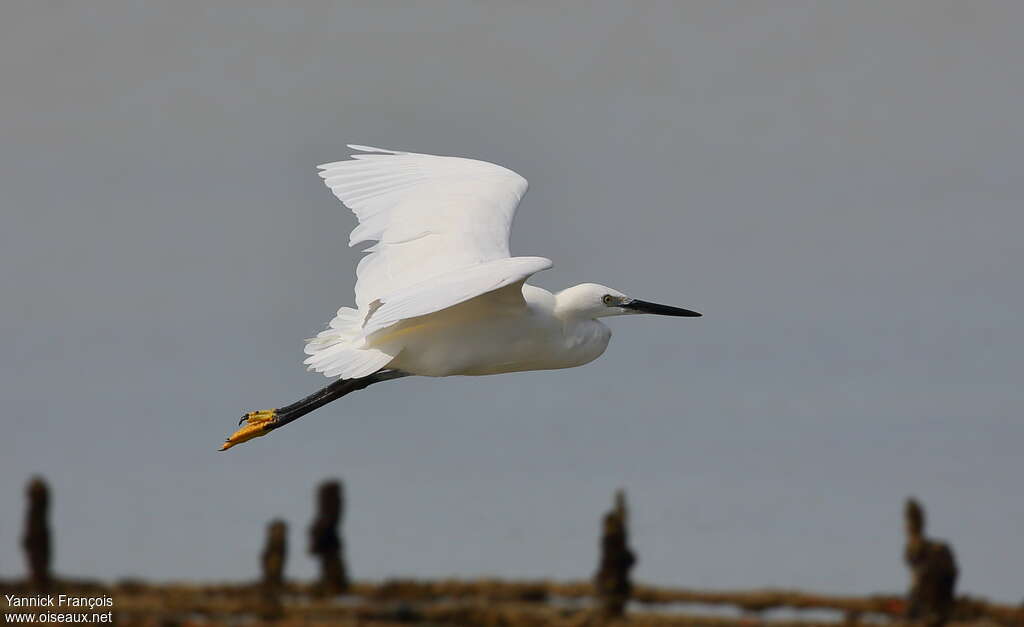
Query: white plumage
{"x": 429, "y": 215}
{"x": 439, "y": 292}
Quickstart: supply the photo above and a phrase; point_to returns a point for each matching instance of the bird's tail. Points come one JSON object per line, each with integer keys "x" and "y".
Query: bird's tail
{"x": 339, "y": 351}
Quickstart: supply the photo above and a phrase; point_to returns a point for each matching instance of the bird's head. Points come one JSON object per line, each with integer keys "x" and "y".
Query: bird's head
{"x": 590, "y": 300}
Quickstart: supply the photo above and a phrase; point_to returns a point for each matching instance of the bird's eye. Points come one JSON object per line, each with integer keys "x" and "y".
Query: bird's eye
{"x": 608, "y": 300}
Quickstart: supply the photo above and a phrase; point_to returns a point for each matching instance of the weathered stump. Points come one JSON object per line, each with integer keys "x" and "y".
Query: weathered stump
{"x": 611, "y": 581}
{"x": 933, "y": 572}
{"x": 272, "y": 560}
{"x": 36, "y": 539}
{"x": 275, "y": 553}
{"x": 325, "y": 539}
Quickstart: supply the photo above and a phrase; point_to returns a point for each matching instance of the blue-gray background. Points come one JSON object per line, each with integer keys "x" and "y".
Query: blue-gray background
{"x": 836, "y": 185}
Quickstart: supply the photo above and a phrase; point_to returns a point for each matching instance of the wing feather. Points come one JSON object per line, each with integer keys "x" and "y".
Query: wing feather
{"x": 451, "y": 289}
{"x": 441, "y": 227}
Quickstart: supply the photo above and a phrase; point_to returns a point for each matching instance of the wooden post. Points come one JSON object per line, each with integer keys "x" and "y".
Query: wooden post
{"x": 272, "y": 561}
{"x": 611, "y": 581}
{"x": 933, "y": 571}
{"x": 275, "y": 553}
{"x": 325, "y": 539}
{"x": 36, "y": 538}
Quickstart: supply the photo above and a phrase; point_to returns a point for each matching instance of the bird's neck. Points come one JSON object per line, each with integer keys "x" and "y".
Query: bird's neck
{"x": 570, "y": 309}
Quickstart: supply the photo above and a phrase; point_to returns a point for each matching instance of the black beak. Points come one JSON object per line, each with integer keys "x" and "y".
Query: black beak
{"x": 642, "y": 306}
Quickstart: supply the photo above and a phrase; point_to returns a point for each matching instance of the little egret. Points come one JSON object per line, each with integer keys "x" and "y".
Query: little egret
{"x": 439, "y": 294}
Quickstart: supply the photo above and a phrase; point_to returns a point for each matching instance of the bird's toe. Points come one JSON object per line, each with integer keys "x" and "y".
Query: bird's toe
{"x": 258, "y": 416}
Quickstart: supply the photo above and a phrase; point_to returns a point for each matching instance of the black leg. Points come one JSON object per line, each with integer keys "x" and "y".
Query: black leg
{"x": 262, "y": 422}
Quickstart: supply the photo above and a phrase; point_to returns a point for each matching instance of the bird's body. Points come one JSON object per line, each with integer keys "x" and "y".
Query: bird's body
{"x": 498, "y": 332}
{"x": 439, "y": 293}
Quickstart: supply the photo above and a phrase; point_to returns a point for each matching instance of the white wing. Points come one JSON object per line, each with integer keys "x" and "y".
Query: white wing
{"x": 441, "y": 225}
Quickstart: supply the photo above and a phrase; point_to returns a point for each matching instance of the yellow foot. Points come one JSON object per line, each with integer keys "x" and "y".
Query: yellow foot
{"x": 256, "y": 423}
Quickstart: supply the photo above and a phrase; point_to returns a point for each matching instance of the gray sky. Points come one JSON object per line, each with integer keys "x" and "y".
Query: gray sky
{"x": 836, "y": 185}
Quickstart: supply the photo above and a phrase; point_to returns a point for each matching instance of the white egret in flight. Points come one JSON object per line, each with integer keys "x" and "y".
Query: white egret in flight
{"x": 439, "y": 294}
